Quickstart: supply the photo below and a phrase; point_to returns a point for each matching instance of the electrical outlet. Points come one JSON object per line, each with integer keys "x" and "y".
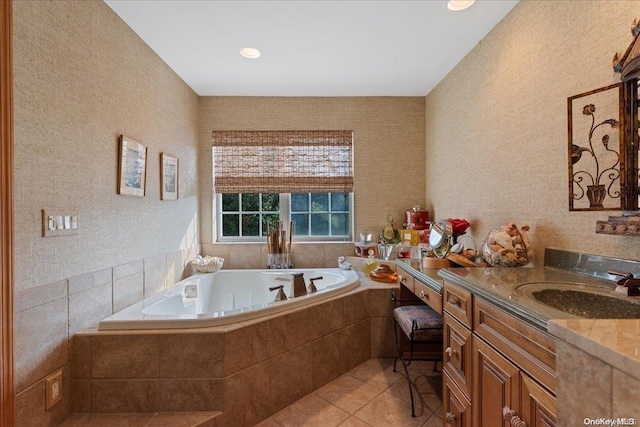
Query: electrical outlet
{"x": 53, "y": 389}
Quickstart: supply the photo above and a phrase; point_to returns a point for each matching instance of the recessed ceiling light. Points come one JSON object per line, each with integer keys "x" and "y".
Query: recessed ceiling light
{"x": 459, "y": 4}
{"x": 250, "y": 52}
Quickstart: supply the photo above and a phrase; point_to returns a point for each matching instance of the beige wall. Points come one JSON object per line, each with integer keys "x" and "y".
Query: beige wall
{"x": 82, "y": 78}
{"x": 496, "y": 126}
{"x": 388, "y": 150}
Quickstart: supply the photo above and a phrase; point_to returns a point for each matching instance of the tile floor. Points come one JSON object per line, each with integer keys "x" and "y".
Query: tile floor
{"x": 370, "y": 395}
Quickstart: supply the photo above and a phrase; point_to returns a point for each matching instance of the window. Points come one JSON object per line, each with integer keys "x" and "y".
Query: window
{"x": 316, "y": 216}
{"x": 261, "y": 177}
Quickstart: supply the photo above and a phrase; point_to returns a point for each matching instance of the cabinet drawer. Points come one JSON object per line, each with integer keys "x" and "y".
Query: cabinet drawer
{"x": 408, "y": 281}
{"x": 528, "y": 347}
{"x": 458, "y": 303}
{"x": 457, "y": 354}
{"x": 456, "y": 408}
{"x": 428, "y": 295}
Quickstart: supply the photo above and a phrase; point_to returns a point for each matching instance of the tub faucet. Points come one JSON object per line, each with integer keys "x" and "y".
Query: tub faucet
{"x": 297, "y": 283}
{"x": 299, "y": 287}
{"x": 281, "y": 296}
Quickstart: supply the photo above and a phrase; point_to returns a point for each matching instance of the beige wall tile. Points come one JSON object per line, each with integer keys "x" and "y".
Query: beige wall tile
{"x": 358, "y": 344}
{"x": 125, "y": 356}
{"x": 245, "y": 256}
{"x": 41, "y": 342}
{"x": 129, "y": 269}
{"x": 329, "y": 356}
{"x": 124, "y": 395}
{"x": 247, "y": 397}
{"x": 245, "y": 347}
{"x": 127, "y": 290}
{"x": 383, "y": 338}
{"x": 356, "y": 306}
{"x": 380, "y": 302}
{"x": 578, "y": 371}
{"x": 189, "y": 394}
{"x": 155, "y": 274}
{"x": 80, "y": 395}
{"x": 290, "y": 376}
{"x": 89, "y": 307}
{"x": 175, "y": 267}
{"x": 334, "y": 250}
{"x": 81, "y": 356}
{"x": 191, "y": 355}
{"x": 307, "y": 255}
{"x": 34, "y": 297}
{"x": 89, "y": 281}
{"x": 328, "y": 317}
{"x": 625, "y": 397}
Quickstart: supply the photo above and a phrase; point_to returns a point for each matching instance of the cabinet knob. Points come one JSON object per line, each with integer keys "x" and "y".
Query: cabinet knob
{"x": 509, "y": 415}
{"x": 450, "y": 416}
{"x": 453, "y": 300}
{"x": 401, "y": 278}
{"x": 423, "y": 295}
{"x": 450, "y": 352}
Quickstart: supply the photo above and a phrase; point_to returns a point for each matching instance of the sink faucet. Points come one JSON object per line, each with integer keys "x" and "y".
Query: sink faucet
{"x": 628, "y": 285}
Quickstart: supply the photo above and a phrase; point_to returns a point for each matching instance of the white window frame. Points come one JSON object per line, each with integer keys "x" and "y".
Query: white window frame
{"x": 285, "y": 216}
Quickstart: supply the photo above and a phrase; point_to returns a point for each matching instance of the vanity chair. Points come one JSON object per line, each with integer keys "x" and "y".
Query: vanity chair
{"x": 421, "y": 325}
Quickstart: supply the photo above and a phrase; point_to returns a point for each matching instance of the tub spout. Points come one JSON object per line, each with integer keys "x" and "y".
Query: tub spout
{"x": 281, "y": 296}
{"x": 299, "y": 287}
{"x": 312, "y": 287}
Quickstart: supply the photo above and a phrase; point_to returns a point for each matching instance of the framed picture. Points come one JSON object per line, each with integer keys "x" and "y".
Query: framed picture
{"x": 132, "y": 167}
{"x": 595, "y": 153}
{"x": 168, "y": 177}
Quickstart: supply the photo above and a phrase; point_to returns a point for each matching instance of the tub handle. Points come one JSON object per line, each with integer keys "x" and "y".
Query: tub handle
{"x": 312, "y": 287}
{"x": 281, "y": 296}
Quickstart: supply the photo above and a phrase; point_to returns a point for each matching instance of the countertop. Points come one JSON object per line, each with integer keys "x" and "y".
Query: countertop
{"x": 500, "y": 287}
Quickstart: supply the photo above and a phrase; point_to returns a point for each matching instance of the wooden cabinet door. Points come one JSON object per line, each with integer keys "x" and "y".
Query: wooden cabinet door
{"x": 456, "y": 409}
{"x": 457, "y": 353}
{"x": 538, "y": 406}
{"x": 496, "y": 384}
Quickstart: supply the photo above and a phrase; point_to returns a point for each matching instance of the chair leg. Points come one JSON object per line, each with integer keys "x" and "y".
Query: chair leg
{"x": 404, "y": 365}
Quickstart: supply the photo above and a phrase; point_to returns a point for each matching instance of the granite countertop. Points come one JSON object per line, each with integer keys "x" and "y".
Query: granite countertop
{"x": 502, "y": 287}
{"x": 428, "y": 276}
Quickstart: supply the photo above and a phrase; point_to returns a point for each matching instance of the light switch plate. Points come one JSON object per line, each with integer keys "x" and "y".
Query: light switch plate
{"x": 59, "y": 224}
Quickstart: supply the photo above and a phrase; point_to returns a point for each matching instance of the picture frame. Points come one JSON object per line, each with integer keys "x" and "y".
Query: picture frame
{"x": 169, "y": 173}
{"x": 132, "y": 167}
{"x": 595, "y": 149}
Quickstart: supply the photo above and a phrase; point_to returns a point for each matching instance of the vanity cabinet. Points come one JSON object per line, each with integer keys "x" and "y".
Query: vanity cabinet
{"x": 494, "y": 360}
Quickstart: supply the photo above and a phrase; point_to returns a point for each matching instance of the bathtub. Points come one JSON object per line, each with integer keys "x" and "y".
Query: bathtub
{"x": 227, "y": 296}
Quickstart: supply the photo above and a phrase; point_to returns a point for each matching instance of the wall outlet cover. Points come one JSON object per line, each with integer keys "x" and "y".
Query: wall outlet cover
{"x": 53, "y": 389}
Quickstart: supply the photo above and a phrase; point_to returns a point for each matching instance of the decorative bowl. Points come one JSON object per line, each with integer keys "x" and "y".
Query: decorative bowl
{"x": 208, "y": 264}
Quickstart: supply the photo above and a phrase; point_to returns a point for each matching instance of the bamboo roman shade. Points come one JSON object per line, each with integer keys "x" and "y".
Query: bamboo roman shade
{"x": 283, "y": 161}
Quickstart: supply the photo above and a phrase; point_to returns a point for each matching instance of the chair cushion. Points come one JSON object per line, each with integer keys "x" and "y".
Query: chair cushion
{"x": 428, "y": 322}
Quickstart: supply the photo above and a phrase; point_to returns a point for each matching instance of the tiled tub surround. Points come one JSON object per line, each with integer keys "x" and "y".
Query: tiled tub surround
{"x": 248, "y": 370}
{"x": 47, "y": 317}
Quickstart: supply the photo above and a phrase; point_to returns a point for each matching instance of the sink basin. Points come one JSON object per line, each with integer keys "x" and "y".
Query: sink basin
{"x": 592, "y": 302}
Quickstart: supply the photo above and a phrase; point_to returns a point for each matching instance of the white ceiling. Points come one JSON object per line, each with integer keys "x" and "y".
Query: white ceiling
{"x": 312, "y": 47}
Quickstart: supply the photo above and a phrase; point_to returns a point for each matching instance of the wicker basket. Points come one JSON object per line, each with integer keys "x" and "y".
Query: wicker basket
{"x": 208, "y": 264}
